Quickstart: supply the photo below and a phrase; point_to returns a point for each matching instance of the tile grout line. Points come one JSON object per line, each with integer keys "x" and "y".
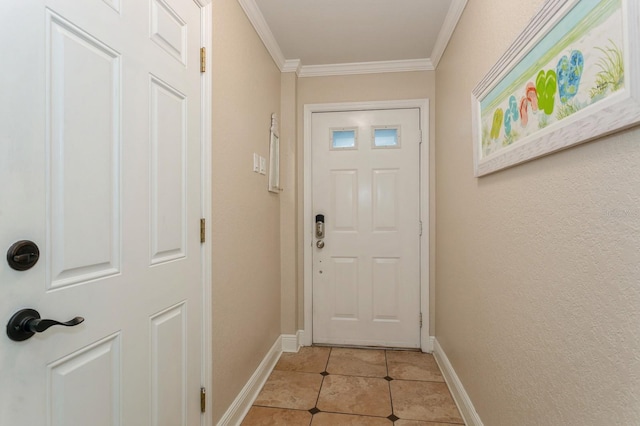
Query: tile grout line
{"x": 370, "y": 377}
{"x": 421, "y": 381}
{"x": 321, "y": 384}
{"x": 386, "y": 363}
{"x": 302, "y": 410}
{"x": 328, "y": 358}
{"x": 340, "y": 413}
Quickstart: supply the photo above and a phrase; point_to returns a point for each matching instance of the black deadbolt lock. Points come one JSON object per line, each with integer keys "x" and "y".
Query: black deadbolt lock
{"x": 23, "y": 255}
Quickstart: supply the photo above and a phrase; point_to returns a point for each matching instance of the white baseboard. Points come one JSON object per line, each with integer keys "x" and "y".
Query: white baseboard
{"x": 428, "y": 346}
{"x": 305, "y": 338}
{"x": 291, "y": 342}
{"x": 241, "y": 405}
{"x": 460, "y": 396}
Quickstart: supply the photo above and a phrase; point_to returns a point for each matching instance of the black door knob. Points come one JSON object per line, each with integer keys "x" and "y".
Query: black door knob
{"x": 27, "y": 322}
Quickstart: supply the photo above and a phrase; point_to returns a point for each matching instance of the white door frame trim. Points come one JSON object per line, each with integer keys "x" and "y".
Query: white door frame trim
{"x": 309, "y": 109}
{"x": 206, "y": 25}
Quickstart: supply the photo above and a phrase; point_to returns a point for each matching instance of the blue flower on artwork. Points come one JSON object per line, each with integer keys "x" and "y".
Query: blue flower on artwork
{"x": 569, "y": 71}
{"x": 511, "y": 114}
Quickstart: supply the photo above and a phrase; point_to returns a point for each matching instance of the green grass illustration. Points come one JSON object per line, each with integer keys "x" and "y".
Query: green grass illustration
{"x": 511, "y": 138}
{"x": 485, "y": 138}
{"x": 543, "y": 121}
{"x": 567, "y": 109}
{"x": 610, "y": 78}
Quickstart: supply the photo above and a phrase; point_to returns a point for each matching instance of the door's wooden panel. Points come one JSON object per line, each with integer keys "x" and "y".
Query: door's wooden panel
{"x": 83, "y": 112}
{"x": 84, "y": 388}
{"x": 344, "y": 187}
{"x": 168, "y": 156}
{"x": 385, "y": 200}
{"x": 344, "y": 285}
{"x": 114, "y": 4}
{"x": 386, "y": 277}
{"x": 168, "y": 30}
{"x": 370, "y": 196}
{"x": 168, "y": 367}
{"x": 76, "y": 81}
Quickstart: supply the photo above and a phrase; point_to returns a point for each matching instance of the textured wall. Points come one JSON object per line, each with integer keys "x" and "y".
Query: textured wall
{"x": 361, "y": 88}
{"x": 537, "y": 266}
{"x": 245, "y": 222}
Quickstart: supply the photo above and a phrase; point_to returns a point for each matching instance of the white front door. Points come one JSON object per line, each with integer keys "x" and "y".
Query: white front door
{"x": 366, "y": 188}
{"x": 100, "y": 164}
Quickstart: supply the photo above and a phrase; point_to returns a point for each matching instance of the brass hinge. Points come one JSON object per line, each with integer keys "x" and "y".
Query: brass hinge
{"x": 203, "y": 59}
{"x": 203, "y": 400}
{"x": 420, "y": 319}
{"x": 203, "y": 227}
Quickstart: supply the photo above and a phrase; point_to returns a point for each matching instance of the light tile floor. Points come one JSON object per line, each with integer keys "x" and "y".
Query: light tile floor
{"x": 321, "y": 386}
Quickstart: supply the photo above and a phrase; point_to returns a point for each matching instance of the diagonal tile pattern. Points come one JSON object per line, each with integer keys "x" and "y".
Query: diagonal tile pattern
{"x": 286, "y": 389}
{"x": 333, "y": 419}
{"x": 427, "y": 401}
{"x": 355, "y": 395}
{"x": 267, "y": 416}
{"x": 357, "y": 362}
{"x": 309, "y": 359}
{"x": 321, "y": 386}
{"x": 406, "y": 365}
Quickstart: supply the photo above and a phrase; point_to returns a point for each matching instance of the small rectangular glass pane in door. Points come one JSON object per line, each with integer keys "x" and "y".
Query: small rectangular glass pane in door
{"x": 343, "y": 139}
{"x": 385, "y": 138}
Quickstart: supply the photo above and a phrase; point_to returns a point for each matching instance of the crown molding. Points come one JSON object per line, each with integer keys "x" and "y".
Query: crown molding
{"x": 366, "y": 67}
{"x": 292, "y": 65}
{"x": 256, "y": 18}
{"x": 446, "y": 31}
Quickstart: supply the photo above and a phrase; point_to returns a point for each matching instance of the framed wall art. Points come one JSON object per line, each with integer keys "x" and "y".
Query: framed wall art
{"x": 274, "y": 156}
{"x": 571, "y": 76}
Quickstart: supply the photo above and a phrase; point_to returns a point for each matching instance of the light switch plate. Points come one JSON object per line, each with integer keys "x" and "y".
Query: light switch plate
{"x": 263, "y": 166}
{"x": 256, "y": 163}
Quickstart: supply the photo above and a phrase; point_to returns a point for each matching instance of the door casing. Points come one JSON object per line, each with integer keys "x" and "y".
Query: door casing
{"x": 309, "y": 109}
{"x": 206, "y": 83}
{"x": 206, "y": 18}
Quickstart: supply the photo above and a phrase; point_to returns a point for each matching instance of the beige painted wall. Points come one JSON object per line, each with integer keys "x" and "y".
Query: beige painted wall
{"x": 359, "y": 88}
{"x": 538, "y": 266}
{"x": 288, "y": 210}
{"x": 246, "y": 218}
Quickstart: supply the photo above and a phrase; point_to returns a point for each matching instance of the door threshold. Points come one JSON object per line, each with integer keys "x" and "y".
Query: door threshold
{"x": 387, "y": 348}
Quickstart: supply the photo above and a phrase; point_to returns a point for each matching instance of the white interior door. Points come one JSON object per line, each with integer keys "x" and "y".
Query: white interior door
{"x": 100, "y": 134}
{"x": 366, "y": 267}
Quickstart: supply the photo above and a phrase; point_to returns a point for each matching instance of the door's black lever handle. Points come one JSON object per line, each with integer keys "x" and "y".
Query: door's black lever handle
{"x": 27, "y": 322}
{"x": 40, "y": 325}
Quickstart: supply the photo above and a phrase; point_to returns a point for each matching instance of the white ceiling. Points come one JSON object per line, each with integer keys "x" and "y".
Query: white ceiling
{"x": 350, "y": 36}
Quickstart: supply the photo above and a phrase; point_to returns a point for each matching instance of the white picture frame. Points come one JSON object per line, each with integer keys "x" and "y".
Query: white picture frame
{"x": 575, "y": 45}
{"x": 274, "y": 156}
